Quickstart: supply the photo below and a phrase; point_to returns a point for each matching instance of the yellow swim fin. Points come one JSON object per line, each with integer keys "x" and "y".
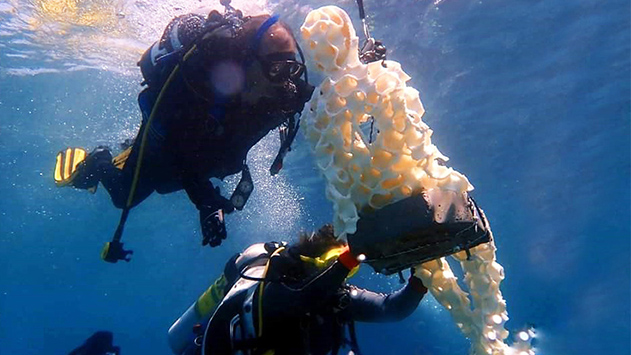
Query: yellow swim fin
{"x": 66, "y": 165}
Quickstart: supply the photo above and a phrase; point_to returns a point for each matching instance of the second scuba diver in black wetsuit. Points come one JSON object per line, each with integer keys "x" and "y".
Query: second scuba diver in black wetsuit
{"x": 288, "y": 300}
{"x": 216, "y": 86}
{"x": 99, "y": 343}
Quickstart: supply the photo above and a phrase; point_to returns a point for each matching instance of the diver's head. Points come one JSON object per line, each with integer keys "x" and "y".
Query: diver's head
{"x": 318, "y": 243}
{"x": 311, "y": 255}
{"x": 317, "y": 251}
{"x": 272, "y": 69}
{"x": 254, "y": 59}
{"x": 277, "y": 38}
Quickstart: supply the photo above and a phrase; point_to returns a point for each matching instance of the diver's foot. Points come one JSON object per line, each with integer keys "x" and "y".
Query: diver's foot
{"x": 76, "y": 168}
{"x": 89, "y": 171}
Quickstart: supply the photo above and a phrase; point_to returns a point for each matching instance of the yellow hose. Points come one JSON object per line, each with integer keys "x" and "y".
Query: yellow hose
{"x": 143, "y": 140}
{"x": 262, "y": 288}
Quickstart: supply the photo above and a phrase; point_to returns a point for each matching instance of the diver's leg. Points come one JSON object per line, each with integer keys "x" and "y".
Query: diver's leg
{"x": 98, "y": 166}
{"x": 89, "y": 171}
{"x": 118, "y": 182}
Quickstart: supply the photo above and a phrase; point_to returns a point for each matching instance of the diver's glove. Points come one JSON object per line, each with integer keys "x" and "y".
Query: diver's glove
{"x": 213, "y": 225}
{"x": 415, "y": 280}
{"x": 211, "y": 218}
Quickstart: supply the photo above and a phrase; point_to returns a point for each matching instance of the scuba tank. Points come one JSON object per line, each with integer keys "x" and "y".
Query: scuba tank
{"x": 181, "y": 34}
{"x": 159, "y": 60}
{"x": 185, "y": 335}
{"x": 182, "y": 334}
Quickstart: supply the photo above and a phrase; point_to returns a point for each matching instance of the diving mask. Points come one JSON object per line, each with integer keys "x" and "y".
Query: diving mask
{"x": 281, "y": 67}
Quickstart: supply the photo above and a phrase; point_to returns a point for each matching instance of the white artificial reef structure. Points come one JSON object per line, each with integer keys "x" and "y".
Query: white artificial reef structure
{"x": 366, "y": 169}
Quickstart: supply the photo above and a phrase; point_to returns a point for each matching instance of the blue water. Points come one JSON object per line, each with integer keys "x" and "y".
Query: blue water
{"x": 529, "y": 99}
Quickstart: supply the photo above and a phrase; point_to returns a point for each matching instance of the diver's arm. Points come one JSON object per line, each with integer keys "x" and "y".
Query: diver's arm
{"x": 288, "y": 300}
{"x": 368, "y": 306}
{"x": 202, "y": 192}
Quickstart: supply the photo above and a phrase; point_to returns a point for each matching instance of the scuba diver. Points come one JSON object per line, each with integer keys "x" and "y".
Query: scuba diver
{"x": 99, "y": 343}
{"x": 276, "y": 298}
{"x": 216, "y": 85}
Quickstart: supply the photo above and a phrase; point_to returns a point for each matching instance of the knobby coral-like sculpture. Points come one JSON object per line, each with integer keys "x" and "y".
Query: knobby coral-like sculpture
{"x": 365, "y": 127}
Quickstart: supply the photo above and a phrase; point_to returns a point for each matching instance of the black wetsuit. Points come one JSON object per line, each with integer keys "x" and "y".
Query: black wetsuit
{"x": 99, "y": 343}
{"x": 310, "y": 317}
{"x": 197, "y": 133}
